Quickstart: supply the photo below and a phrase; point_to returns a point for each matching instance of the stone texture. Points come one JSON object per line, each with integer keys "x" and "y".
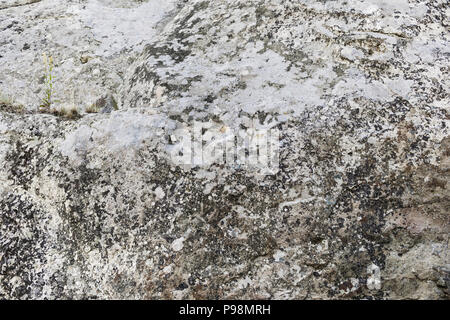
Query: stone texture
{"x": 95, "y": 207}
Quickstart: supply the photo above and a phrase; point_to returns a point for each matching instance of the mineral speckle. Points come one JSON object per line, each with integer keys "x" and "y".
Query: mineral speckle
{"x": 95, "y": 208}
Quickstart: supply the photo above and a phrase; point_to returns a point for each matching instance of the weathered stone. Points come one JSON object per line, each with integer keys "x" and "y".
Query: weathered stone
{"x": 96, "y": 207}
{"x": 106, "y": 104}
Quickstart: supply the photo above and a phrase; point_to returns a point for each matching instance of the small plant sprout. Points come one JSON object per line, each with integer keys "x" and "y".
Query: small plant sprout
{"x": 48, "y": 97}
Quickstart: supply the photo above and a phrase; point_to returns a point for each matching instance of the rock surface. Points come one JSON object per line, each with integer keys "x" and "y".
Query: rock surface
{"x": 96, "y": 208}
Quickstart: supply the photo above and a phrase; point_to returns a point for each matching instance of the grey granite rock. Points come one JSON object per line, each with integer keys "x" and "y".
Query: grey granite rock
{"x": 106, "y": 104}
{"x": 96, "y": 207}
